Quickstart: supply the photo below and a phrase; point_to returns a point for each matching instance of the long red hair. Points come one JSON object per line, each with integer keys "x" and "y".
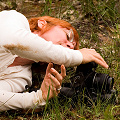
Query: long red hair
{"x": 51, "y": 21}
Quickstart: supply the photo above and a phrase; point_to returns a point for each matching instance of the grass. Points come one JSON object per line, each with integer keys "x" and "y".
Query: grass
{"x": 97, "y": 22}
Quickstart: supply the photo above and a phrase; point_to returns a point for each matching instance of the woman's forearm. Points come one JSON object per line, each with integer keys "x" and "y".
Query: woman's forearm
{"x": 9, "y": 100}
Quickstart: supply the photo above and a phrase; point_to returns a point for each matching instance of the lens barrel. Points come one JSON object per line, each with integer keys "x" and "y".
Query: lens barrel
{"x": 103, "y": 82}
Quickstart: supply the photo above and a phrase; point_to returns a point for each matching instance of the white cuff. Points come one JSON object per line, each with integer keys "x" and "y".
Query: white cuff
{"x": 39, "y": 101}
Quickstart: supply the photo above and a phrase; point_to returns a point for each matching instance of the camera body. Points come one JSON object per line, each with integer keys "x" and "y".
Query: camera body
{"x": 86, "y": 80}
{"x": 86, "y": 77}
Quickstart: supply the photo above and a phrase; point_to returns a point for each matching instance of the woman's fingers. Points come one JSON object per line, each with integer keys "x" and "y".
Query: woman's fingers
{"x": 54, "y": 81}
{"x": 90, "y": 55}
{"x": 99, "y": 60}
{"x": 57, "y": 75}
{"x": 63, "y": 71}
{"x": 50, "y": 65}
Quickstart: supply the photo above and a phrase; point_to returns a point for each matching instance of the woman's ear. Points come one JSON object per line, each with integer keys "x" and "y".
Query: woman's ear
{"x": 41, "y": 23}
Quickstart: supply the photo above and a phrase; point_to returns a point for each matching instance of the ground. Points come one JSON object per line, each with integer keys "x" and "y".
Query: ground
{"x": 95, "y": 32}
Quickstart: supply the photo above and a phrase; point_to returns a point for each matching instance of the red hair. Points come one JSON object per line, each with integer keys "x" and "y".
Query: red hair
{"x": 51, "y": 22}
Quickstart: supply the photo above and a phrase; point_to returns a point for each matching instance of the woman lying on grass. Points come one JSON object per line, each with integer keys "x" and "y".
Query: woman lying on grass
{"x": 42, "y": 39}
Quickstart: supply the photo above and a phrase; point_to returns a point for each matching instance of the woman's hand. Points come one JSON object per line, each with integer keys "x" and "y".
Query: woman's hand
{"x": 90, "y": 55}
{"x": 52, "y": 80}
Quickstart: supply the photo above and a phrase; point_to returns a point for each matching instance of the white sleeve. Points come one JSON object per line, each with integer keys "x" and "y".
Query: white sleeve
{"x": 19, "y": 40}
{"x": 9, "y": 100}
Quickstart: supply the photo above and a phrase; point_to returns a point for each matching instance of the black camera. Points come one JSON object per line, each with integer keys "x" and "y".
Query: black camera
{"x": 86, "y": 80}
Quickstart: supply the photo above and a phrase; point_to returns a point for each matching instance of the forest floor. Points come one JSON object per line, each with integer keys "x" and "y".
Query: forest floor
{"x": 97, "y": 34}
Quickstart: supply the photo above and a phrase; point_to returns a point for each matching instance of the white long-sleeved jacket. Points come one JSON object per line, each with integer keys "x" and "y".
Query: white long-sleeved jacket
{"x": 16, "y": 39}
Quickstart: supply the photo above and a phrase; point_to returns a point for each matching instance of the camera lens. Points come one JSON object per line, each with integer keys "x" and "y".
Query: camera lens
{"x": 110, "y": 82}
{"x": 103, "y": 82}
